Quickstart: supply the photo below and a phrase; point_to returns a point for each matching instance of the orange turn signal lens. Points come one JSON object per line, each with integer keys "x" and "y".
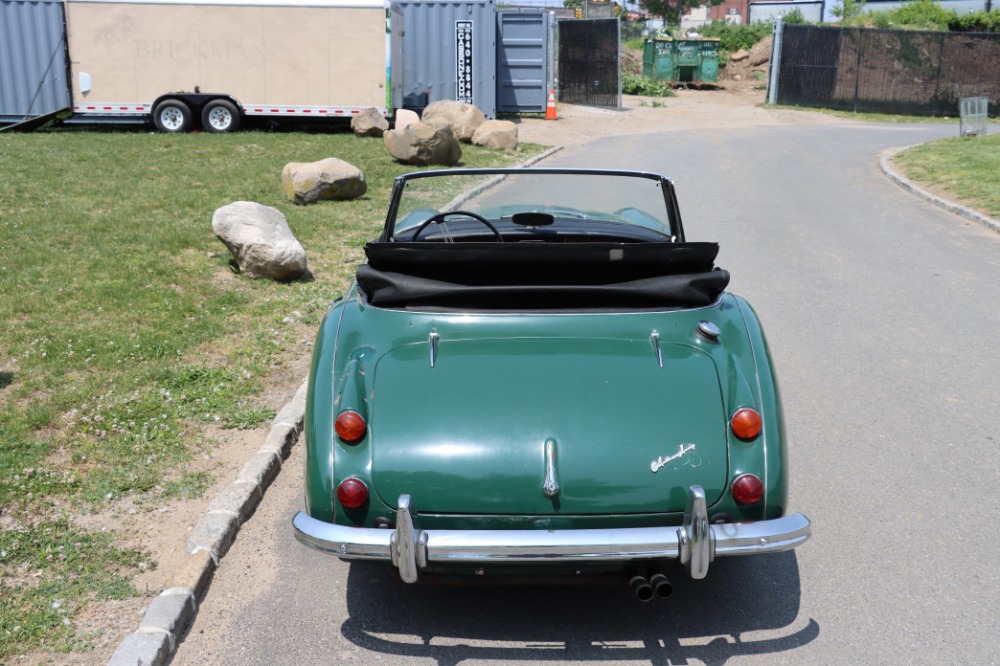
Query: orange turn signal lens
{"x": 746, "y": 423}
{"x": 350, "y": 427}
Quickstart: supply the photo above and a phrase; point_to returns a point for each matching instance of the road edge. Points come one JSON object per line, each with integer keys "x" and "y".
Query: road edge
{"x": 168, "y": 615}
{"x": 949, "y": 206}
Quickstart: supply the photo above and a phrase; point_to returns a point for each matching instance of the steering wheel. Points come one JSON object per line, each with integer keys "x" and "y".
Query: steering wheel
{"x": 440, "y": 218}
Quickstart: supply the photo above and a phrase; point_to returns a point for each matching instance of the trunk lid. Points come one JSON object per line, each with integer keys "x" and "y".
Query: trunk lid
{"x": 468, "y": 435}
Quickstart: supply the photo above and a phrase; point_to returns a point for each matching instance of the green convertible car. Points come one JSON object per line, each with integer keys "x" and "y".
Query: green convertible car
{"x": 534, "y": 374}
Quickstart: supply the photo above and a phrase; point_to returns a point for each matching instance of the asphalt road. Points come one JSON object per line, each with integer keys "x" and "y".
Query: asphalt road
{"x": 883, "y": 319}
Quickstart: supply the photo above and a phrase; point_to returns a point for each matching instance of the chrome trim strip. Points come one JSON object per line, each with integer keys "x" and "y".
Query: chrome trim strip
{"x": 654, "y": 337}
{"x": 760, "y": 392}
{"x": 432, "y": 342}
{"x": 551, "y": 485}
{"x": 451, "y": 547}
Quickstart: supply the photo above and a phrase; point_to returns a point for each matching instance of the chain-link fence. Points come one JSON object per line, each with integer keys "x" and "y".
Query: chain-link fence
{"x": 888, "y": 71}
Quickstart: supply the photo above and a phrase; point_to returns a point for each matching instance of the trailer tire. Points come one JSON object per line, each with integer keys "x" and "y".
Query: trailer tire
{"x": 172, "y": 116}
{"x": 220, "y": 115}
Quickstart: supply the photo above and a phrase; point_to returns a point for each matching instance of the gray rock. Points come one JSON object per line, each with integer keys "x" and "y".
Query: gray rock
{"x": 739, "y": 55}
{"x": 143, "y": 649}
{"x": 424, "y": 143}
{"x": 325, "y": 180}
{"x": 260, "y": 241}
{"x": 463, "y": 117}
{"x": 496, "y": 134}
{"x": 369, "y": 122}
{"x": 761, "y": 52}
{"x": 405, "y": 118}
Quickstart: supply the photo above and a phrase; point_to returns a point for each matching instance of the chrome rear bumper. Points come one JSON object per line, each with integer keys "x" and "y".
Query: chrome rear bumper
{"x": 695, "y": 543}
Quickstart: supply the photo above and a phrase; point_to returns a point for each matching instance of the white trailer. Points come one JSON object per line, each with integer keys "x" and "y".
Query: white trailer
{"x": 179, "y": 62}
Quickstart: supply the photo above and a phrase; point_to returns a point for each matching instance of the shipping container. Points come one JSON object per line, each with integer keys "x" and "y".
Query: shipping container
{"x": 33, "y": 68}
{"x": 446, "y": 49}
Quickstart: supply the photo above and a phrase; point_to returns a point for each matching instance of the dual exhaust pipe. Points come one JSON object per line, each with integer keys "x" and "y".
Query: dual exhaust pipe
{"x": 645, "y": 588}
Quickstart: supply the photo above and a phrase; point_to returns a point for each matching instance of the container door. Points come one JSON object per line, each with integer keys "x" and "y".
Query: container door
{"x": 32, "y": 60}
{"x": 522, "y": 61}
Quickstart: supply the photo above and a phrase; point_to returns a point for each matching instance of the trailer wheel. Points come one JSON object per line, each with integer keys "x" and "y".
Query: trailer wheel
{"x": 220, "y": 115}
{"x": 172, "y": 115}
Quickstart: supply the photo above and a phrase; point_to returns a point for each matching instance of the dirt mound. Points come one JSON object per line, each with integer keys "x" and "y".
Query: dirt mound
{"x": 752, "y": 67}
{"x": 631, "y": 60}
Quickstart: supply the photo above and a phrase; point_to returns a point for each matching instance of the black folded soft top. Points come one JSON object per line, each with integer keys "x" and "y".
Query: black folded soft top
{"x": 541, "y": 276}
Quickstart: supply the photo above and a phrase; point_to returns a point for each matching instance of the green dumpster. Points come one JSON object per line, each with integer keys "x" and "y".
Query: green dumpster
{"x": 658, "y": 61}
{"x": 709, "y": 61}
{"x": 687, "y": 60}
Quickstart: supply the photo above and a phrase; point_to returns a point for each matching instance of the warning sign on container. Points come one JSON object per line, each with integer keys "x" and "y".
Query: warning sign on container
{"x": 463, "y": 61}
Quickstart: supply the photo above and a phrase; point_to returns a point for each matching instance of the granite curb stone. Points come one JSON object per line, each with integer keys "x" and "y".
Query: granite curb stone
{"x": 168, "y": 615}
{"x": 143, "y": 648}
{"x": 950, "y": 206}
{"x": 240, "y": 498}
{"x": 262, "y": 468}
{"x": 170, "y": 612}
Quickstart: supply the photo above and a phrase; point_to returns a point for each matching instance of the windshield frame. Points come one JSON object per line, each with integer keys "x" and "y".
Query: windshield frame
{"x": 399, "y": 187}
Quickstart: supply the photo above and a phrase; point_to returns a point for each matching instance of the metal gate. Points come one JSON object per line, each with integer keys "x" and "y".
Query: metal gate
{"x": 522, "y": 61}
{"x": 589, "y": 71}
{"x": 891, "y": 71}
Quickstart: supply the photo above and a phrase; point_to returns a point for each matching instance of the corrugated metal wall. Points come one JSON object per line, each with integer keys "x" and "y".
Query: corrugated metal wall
{"x": 522, "y": 61}
{"x": 32, "y": 59}
{"x": 446, "y": 49}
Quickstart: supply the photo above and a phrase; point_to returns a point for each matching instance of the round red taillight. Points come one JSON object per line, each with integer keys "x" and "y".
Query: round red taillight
{"x": 352, "y": 493}
{"x": 746, "y": 423}
{"x": 351, "y": 427}
{"x": 747, "y": 489}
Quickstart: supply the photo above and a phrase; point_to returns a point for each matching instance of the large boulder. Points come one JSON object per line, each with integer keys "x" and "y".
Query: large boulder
{"x": 424, "y": 143}
{"x": 761, "y": 52}
{"x": 404, "y": 118}
{"x": 329, "y": 179}
{"x": 260, "y": 241}
{"x": 369, "y": 122}
{"x": 496, "y": 134}
{"x": 463, "y": 117}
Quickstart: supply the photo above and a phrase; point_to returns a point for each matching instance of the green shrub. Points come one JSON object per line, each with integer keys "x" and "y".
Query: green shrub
{"x": 643, "y": 85}
{"x": 926, "y": 15}
{"x": 976, "y": 22}
{"x": 734, "y": 37}
{"x": 846, "y": 10}
{"x": 632, "y": 32}
{"x": 922, "y": 15}
{"x": 794, "y": 17}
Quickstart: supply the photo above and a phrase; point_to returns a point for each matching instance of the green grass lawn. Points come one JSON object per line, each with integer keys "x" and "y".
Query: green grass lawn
{"x": 966, "y": 168}
{"x": 125, "y": 334}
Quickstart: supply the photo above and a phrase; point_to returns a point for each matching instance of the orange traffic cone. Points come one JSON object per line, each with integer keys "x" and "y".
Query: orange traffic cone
{"x": 550, "y": 108}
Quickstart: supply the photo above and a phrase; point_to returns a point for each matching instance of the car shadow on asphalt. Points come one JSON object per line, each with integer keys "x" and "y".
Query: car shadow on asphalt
{"x": 706, "y": 620}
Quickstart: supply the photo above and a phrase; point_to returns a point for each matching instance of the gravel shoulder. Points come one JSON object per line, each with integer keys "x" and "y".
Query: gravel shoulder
{"x": 739, "y": 104}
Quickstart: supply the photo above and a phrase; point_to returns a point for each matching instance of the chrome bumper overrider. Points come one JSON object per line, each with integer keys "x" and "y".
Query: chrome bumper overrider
{"x": 695, "y": 543}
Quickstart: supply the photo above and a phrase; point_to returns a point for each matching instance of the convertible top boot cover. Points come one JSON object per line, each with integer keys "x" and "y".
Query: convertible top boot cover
{"x": 525, "y": 276}
{"x": 627, "y": 435}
